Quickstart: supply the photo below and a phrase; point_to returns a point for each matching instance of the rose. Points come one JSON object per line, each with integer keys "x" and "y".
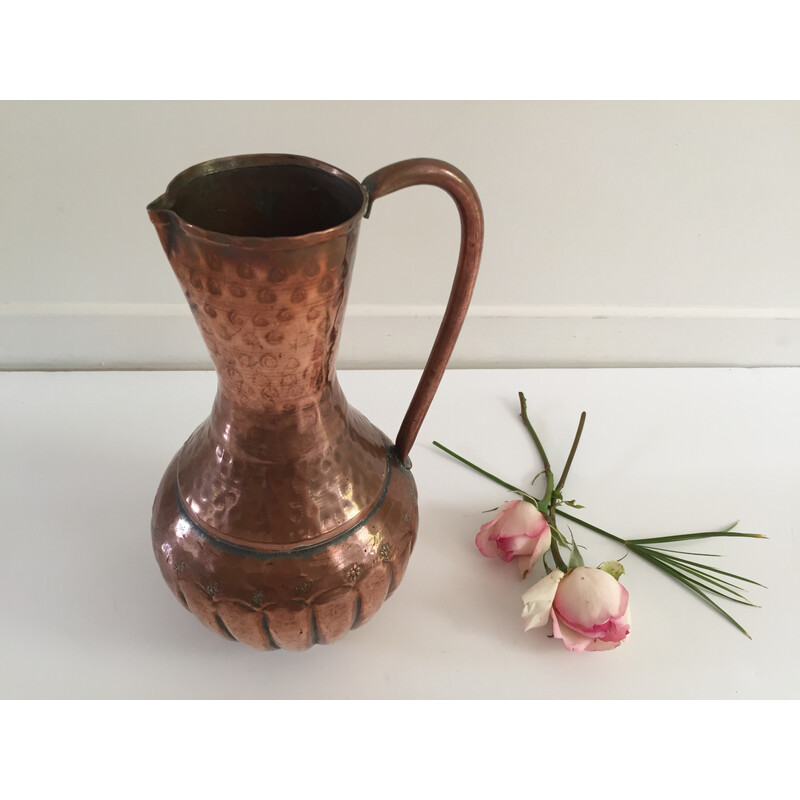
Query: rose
{"x": 518, "y": 530}
{"x": 589, "y": 608}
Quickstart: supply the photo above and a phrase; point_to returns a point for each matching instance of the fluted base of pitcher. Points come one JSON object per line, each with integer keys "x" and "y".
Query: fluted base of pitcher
{"x": 295, "y": 599}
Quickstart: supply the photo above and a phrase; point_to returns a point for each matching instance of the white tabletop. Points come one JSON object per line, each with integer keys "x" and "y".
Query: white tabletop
{"x": 87, "y": 615}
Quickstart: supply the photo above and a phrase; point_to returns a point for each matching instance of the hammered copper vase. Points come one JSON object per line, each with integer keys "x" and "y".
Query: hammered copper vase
{"x": 287, "y": 518}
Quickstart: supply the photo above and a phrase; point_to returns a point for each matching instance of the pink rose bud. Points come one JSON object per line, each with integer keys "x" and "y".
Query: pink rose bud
{"x": 589, "y": 608}
{"x": 518, "y": 530}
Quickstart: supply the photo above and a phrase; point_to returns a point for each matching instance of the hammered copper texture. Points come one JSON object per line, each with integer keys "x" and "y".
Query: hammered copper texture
{"x": 287, "y": 517}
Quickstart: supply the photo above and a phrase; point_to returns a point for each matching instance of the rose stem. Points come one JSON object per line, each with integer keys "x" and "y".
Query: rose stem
{"x": 544, "y": 505}
{"x": 571, "y": 455}
{"x": 523, "y": 404}
{"x": 560, "y": 563}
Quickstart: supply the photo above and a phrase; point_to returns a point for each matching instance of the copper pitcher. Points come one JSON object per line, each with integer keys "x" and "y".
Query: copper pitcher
{"x": 287, "y": 518}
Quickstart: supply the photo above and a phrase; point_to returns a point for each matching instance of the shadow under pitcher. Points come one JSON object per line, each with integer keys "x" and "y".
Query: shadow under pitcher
{"x": 287, "y": 518}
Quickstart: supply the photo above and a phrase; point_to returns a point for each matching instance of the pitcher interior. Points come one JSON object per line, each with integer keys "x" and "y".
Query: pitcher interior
{"x": 268, "y": 201}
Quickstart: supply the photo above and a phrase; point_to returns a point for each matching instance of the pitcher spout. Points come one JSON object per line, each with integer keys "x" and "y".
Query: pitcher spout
{"x": 166, "y": 221}
{"x": 160, "y": 211}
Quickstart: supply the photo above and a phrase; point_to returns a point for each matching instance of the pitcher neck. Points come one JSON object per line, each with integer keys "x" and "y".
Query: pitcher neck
{"x": 276, "y": 362}
{"x": 271, "y": 319}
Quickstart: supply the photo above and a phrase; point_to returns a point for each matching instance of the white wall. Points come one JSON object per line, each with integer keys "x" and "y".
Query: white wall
{"x": 616, "y": 233}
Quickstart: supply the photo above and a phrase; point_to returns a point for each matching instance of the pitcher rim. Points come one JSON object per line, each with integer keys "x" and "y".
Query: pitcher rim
{"x": 162, "y": 205}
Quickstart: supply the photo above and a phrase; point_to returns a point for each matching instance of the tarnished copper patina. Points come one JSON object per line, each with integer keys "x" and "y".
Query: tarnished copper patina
{"x": 287, "y": 517}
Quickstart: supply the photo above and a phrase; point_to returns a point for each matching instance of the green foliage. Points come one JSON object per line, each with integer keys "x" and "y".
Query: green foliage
{"x": 698, "y": 577}
{"x": 575, "y": 557}
{"x": 613, "y": 568}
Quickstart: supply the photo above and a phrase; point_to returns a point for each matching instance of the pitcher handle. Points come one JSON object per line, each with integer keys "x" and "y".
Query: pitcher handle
{"x": 429, "y": 171}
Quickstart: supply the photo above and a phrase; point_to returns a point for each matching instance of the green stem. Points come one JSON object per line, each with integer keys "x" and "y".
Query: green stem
{"x": 523, "y": 404}
{"x": 544, "y": 505}
{"x": 489, "y": 475}
{"x": 685, "y": 537}
{"x": 591, "y": 527}
{"x": 571, "y": 455}
{"x": 560, "y": 563}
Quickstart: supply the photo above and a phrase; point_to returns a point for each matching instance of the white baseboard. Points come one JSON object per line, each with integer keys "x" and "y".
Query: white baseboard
{"x": 140, "y": 336}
